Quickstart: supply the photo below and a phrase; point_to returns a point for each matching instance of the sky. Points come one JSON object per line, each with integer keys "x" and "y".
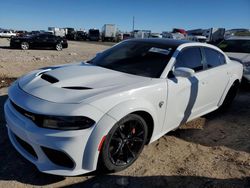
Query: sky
{"x": 154, "y": 15}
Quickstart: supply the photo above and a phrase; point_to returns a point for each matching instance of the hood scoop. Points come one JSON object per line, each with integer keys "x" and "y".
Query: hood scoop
{"x": 77, "y": 88}
{"x": 49, "y": 78}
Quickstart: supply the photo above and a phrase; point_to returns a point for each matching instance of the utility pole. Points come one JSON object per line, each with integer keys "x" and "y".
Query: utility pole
{"x": 133, "y": 24}
{"x": 133, "y": 27}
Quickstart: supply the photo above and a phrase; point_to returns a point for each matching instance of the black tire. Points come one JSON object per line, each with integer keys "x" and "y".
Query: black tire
{"x": 59, "y": 46}
{"x": 25, "y": 45}
{"x": 118, "y": 153}
{"x": 231, "y": 94}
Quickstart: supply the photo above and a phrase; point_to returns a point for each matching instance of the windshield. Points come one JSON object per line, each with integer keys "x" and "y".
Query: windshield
{"x": 240, "y": 46}
{"x": 136, "y": 57}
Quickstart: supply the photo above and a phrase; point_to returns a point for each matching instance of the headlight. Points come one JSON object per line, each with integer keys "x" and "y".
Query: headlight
{"x": 64, "y": 122}
{"x": 57, "y": 122}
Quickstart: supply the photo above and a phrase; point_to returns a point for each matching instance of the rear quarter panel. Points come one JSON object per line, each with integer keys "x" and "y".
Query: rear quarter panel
{"x": 235, "y": 70}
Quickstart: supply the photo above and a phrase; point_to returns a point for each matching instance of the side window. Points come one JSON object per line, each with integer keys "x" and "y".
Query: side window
{"x": 51, "y": 37}
{"x": 214, "y": 58}
{"x": 43, "y": 37}
{"x": 190, "y": 58}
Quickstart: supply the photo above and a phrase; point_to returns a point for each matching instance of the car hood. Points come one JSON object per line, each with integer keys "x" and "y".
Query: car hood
{"x": 241, "y": 57}
{"x": 75, "y": 83}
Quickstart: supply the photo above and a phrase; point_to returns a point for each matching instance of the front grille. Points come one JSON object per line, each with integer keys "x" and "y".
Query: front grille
{"x": 26, "y": 146}
{"x": 58, "y": 157}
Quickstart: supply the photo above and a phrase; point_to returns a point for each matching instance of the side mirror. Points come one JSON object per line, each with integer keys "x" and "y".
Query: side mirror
{"x": 183, "y": 72}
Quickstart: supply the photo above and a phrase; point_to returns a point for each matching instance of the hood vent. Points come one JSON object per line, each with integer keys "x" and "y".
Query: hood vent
{"x": 49, "y": 78}
{"x": 77, "y": 88}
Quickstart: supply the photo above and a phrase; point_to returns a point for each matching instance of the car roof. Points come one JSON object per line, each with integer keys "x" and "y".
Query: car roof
{"x": 170, "y": 42}
{"x": 239, "y": 38}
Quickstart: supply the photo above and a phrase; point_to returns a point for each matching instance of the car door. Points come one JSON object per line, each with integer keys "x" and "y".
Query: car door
{"x": 218, "y": 74}
{"x": 51, "y": 41}
{"x": 40, "y": 41}
{"x": 5, "y": 34}
{"x": 187, "y": 96}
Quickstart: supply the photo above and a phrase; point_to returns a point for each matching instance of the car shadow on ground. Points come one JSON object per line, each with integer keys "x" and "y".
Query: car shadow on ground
{"x": 5, "y": 47}
{"x": 160, "y": 181}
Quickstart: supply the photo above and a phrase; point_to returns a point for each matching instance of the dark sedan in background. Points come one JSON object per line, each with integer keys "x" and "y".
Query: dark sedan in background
{"x": 42, "y": 40}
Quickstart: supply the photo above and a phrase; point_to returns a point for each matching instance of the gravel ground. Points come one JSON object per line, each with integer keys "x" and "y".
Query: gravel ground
{"x": 211, "y": 151}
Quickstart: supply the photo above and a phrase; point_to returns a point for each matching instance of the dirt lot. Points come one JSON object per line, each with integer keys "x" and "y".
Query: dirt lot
{"x": 211, "y": 151}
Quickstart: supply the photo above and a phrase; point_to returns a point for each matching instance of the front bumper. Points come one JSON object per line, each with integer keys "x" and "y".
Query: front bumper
{"x": 71, "y": 143}
{"x": 80, "y": 146}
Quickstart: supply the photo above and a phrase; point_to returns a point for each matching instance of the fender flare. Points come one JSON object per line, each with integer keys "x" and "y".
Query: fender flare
{"x": 232, "y": 79}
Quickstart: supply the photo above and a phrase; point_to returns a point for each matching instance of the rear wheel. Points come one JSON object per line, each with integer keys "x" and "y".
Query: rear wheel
{"x": 24, "y": 45}
{"x": 231, "y": 94}
{"x": 124, "y": 143}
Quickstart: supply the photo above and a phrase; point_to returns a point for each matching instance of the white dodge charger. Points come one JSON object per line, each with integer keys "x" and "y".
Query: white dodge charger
{"x": 72, "y": 119}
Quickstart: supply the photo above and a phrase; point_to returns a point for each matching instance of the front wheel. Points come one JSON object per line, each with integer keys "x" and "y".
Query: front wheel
{"x": 124, "y": 143}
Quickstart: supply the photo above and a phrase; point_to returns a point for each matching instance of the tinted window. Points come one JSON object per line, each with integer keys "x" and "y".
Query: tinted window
{"x": 51, "y": 36}
{"x": 190, "y": 58}
{"x": 136, "y": 57}
{"x": 41, "y": 36}
{"x": 214, "y": 58}
{"x": 240, "y": 46}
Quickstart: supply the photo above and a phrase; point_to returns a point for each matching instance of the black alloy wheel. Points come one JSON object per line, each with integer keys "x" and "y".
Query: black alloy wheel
{"x": 59, "y": 46}
{"x": 24, "y": 45}
{"x": 124, "y": 143}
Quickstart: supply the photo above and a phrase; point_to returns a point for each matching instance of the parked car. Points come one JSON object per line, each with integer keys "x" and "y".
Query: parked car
{"x": 43, "y": 40}
{"x": 126, "y": 36}
{"x": 155, "y": 35}
{"x": 141, "y": 34}
{"x": 197, "y": 38}
{"x": 21, "y": 33}
{"x": 71, "y": 119}
{"x": 236, "y": 32}
{"x": 238, "y": 48}
{"x": 182, "y": 31}
{"x": 7, "y": 34}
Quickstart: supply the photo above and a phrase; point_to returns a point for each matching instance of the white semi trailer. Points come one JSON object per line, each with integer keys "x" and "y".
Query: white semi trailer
{"x": 57, "y": 31}
{"x": 109, "y": 32}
